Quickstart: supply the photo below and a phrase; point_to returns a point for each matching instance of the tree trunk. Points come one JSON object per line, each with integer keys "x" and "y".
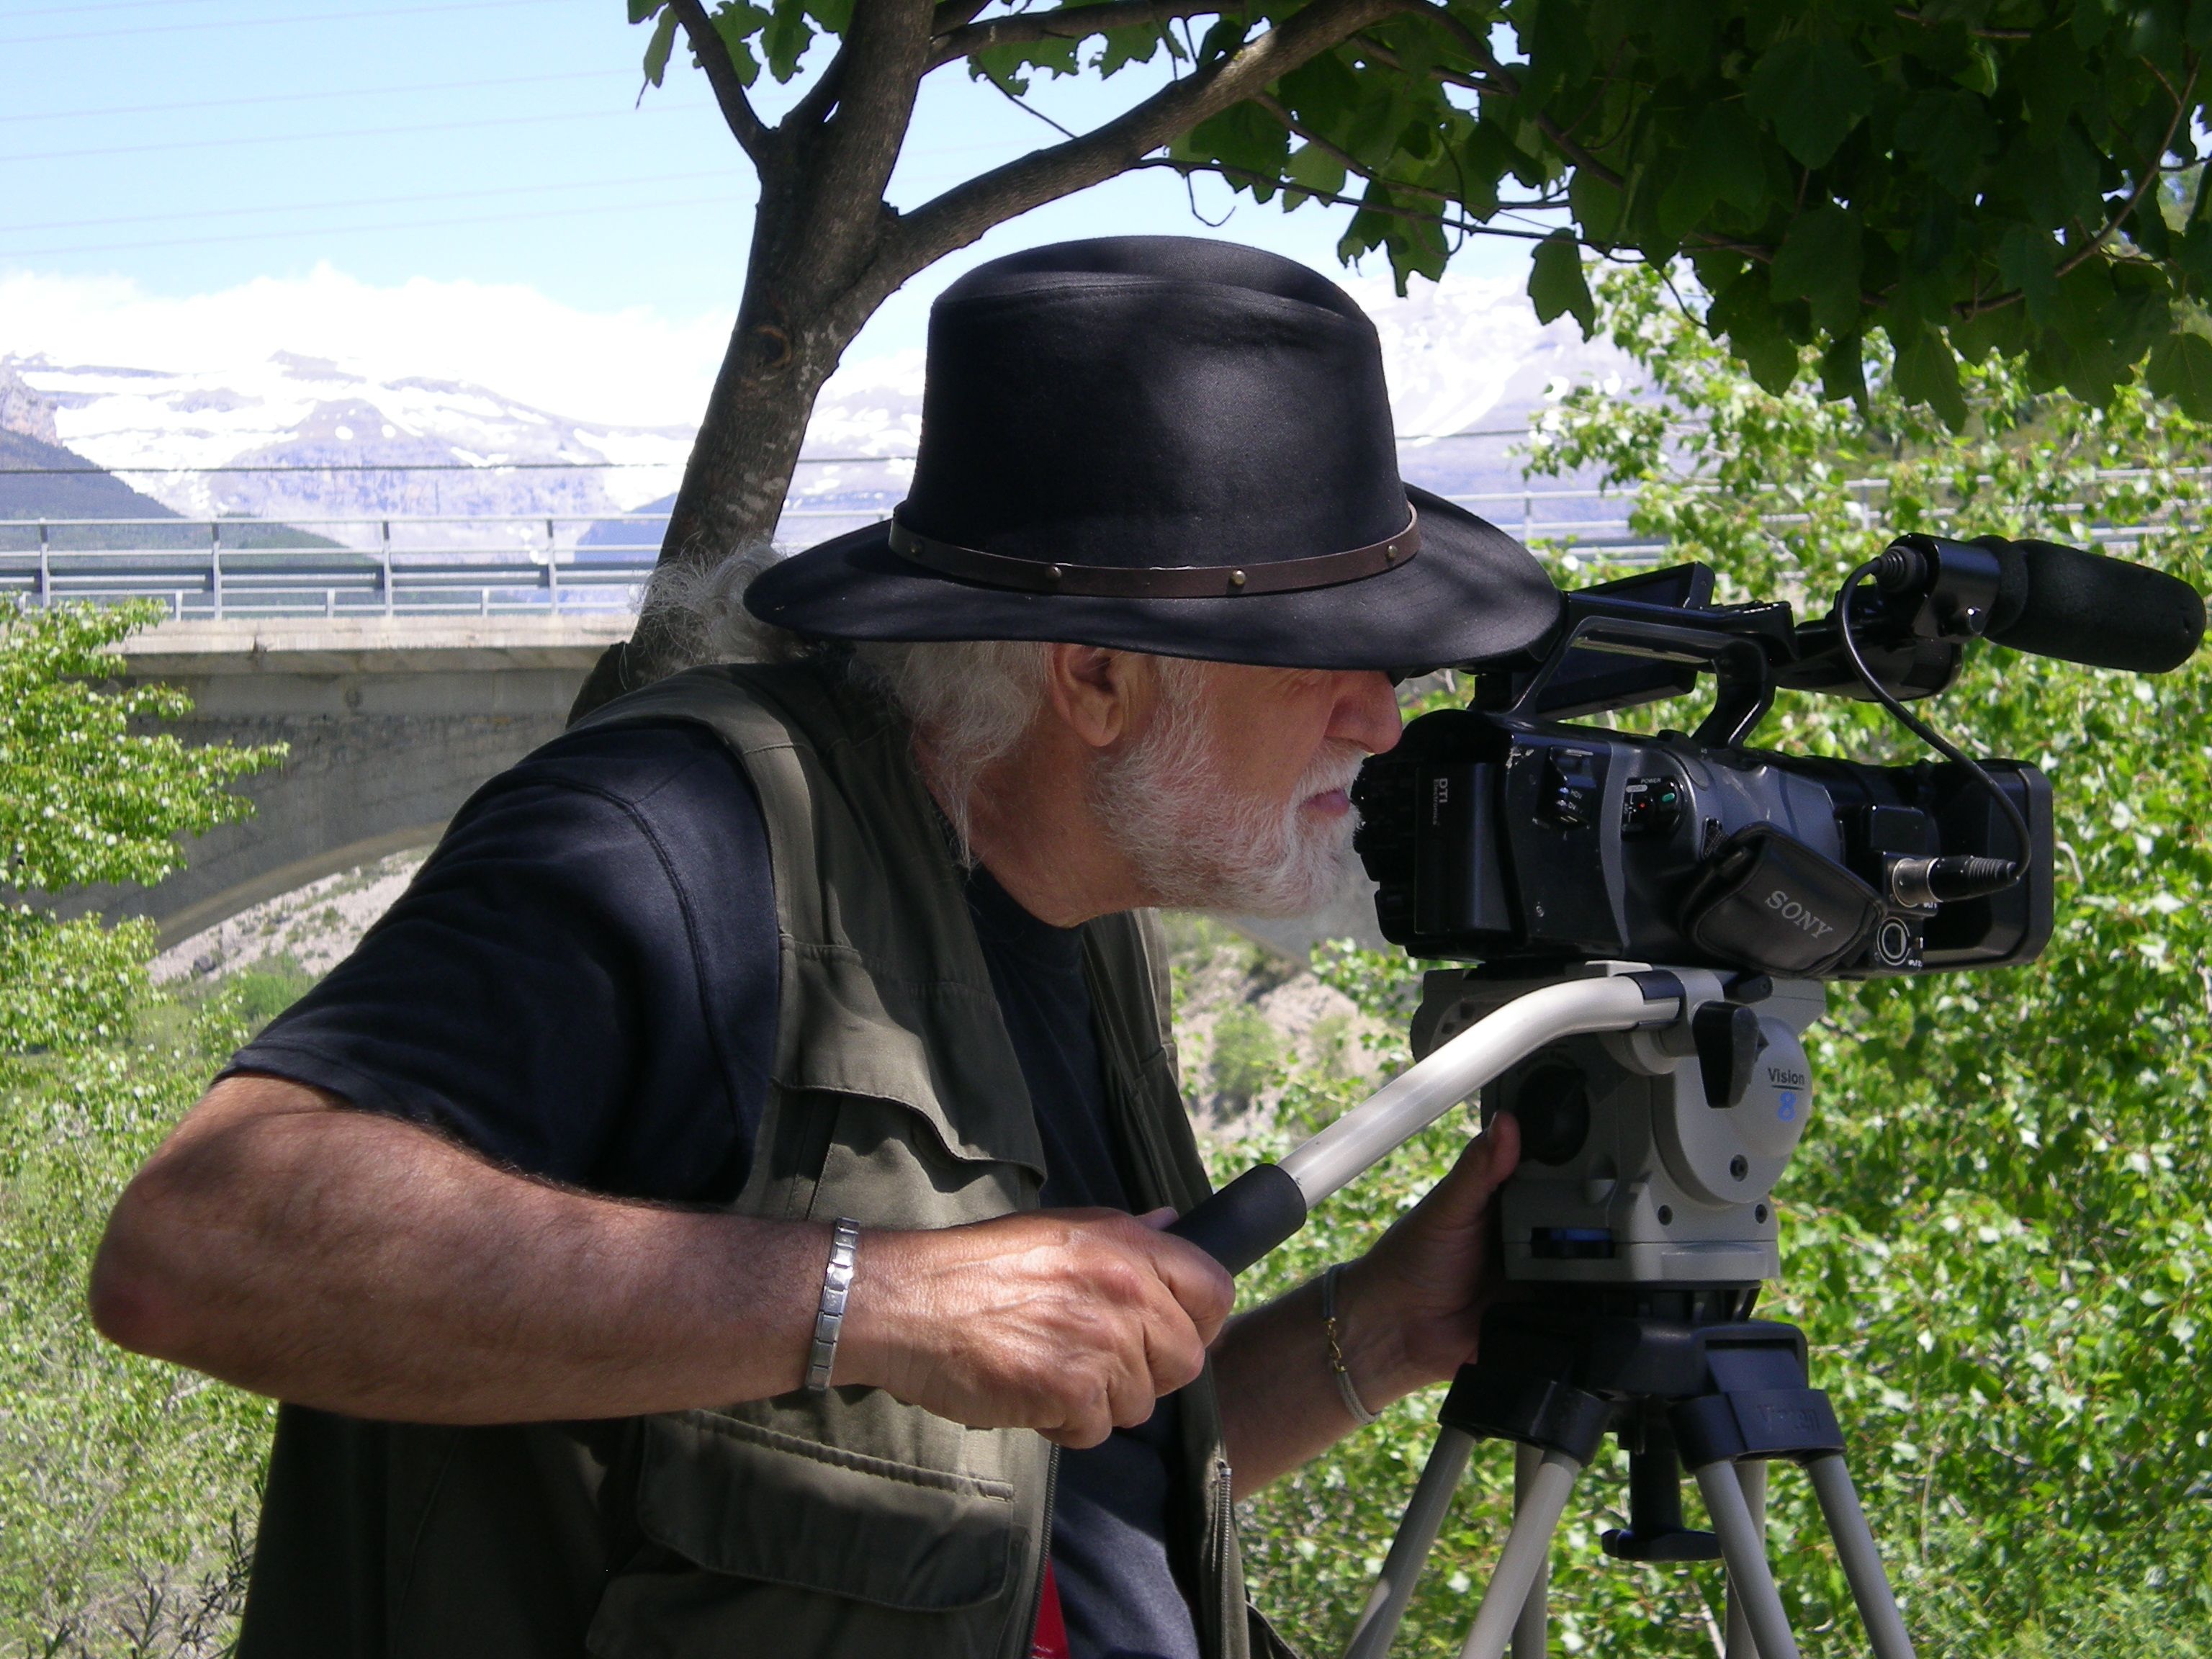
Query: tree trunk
{"x": 785, "y": 347}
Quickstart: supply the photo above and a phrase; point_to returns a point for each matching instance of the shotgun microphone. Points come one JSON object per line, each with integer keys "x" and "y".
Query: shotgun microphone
{"x": 2082, "y": 607}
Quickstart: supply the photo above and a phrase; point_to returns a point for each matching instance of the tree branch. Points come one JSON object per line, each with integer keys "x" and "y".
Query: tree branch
{"x": 2150, "y": 176}
{"x": 1060, "y": 23}
{"x": 1470, "y": 227}
{"x": 962, "y": 214}
{"x": 1351, "y": 163}
{"x": 753, "y": 136}
{"x": 1478, "y": 50}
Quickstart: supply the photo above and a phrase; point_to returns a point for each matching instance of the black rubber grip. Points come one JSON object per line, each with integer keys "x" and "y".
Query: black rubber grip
{"x": 1246, "y": 1219}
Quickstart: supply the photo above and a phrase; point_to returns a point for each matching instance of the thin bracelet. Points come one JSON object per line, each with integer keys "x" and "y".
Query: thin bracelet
{"x": 829, "y": 1317}
{"x": 1346, "y": 1392}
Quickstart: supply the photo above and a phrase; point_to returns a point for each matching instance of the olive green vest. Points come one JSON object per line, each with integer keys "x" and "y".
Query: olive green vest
{"x": 850, "y": 1523}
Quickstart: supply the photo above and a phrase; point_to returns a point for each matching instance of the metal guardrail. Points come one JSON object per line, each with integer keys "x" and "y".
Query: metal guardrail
{"x": 445, "y": 565}
{"x": 440, "y": 565}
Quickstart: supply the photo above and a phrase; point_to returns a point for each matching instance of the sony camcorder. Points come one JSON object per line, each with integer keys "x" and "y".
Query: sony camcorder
{"x": 1501, "y": 832}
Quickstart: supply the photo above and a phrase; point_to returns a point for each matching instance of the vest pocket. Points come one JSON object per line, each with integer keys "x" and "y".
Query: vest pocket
{"x": 738, "y": 1499}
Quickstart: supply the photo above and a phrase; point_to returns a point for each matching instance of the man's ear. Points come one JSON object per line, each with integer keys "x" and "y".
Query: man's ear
{"x": 1100, "y": 696}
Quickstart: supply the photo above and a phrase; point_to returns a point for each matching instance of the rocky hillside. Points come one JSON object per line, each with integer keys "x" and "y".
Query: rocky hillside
{"x": 1244, "y": 1013}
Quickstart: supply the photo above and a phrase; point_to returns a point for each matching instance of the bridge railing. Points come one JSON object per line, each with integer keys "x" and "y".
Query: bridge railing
{"x": 486, "y": 564}
{"x": 455, "y": 564}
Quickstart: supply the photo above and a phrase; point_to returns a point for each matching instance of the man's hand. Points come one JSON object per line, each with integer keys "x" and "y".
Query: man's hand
{"x": 1408, "y": 1314}
{"x": 1071, "y": 1323}
{"x": 1412, "y": 1307}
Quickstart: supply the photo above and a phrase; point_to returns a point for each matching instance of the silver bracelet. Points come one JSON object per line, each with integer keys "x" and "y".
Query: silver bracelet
{"x": 1346, "y": 1392}
{"x": 829, "y": 1317}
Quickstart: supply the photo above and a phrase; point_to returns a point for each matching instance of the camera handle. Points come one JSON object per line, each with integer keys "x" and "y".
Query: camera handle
{"x": 1269, "y": 1202}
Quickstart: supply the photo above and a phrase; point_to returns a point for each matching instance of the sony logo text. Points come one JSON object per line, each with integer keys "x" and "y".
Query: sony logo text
{"x": 1792, "y": 910}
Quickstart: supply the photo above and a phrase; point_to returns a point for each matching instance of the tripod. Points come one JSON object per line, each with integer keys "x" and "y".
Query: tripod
{"x": 1679, "y": 1376}
{"x": 1657, "y": 1107}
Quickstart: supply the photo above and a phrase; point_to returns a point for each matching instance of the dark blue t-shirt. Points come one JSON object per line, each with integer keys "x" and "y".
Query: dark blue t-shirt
{"x": 581, "y": 982}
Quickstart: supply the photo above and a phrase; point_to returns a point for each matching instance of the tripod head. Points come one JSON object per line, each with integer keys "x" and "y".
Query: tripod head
{"x": 1649, "y": 1156}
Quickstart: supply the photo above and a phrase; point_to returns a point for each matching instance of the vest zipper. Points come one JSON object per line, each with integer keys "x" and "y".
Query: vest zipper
{"x": 1028, "y": 1630}
{"x": 1224, "y": 1523}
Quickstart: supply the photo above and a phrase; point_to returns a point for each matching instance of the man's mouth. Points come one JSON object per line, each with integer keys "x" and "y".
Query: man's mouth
{"x": 1330, "y": 802}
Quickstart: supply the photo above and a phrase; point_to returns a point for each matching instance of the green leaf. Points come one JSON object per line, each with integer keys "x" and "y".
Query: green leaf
{"x": 736, "y": 25}
{"x": 1951, "y": 133}
{"x": 1722, "y": 165}
{"x": 1819, "y": 262}
{"x": 2027, "y": 259}
{"x": 641, "y": 10}
{"x": 1316, "y": 169}
{"x": 658, "y": 48}
{"x": 1811, "y": 92}
{"x": 1927, "y": 373}
{"x": 1556, "y": 284}
{"x": 1134, "y": 45}
{"x": 2181, "y": 371}
{"x": 1842, "y": 369}
{"x": 1745, "y": 313}
{"x": 785, "y": 39}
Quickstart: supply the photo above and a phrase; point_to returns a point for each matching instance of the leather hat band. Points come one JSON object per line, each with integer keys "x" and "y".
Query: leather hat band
{"x": 1173, "y": 582}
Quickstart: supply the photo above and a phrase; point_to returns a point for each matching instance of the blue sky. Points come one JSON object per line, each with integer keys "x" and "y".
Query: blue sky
{"x": 166, "y": 148}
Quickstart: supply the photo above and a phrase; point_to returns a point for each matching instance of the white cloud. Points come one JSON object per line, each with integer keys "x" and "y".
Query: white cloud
{"x": 633, "y": 366}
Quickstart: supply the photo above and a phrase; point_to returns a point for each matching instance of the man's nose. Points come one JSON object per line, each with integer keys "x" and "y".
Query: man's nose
{"x": 1367, "y": 712}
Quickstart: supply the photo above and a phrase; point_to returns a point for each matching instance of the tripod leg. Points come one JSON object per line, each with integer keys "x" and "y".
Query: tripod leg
{"x": 1855, "y": 1544}
{"x": 1528, "y": 1550}
{"x": 1743, "y": 1548}
{"x": 1417, "y": 1535}
{"x": 1531, "y": 1631}
{"x": 1752, "y": 1477}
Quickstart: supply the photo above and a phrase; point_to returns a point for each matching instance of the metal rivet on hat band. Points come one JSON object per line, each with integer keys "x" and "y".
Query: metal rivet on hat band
{"x": 1174, "y": 581}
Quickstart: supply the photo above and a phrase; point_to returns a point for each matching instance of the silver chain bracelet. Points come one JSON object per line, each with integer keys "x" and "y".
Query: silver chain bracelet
{"x": 829, "y": 1317}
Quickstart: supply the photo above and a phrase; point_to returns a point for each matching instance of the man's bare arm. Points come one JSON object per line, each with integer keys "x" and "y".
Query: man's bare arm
{"x": 348, "y": 1260}
{"x": 1409, "y": 1313}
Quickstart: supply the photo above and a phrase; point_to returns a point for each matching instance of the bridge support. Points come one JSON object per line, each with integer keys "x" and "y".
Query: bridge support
{"x": 391, "y": 724}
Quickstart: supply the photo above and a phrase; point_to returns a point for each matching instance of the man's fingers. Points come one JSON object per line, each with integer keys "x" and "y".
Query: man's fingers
{"x": 1481, "y": 1168}
{"x": 1199, "y": 1284}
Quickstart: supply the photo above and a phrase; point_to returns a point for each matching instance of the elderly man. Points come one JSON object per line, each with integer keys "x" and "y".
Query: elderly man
{"x": 718, "y": 1211}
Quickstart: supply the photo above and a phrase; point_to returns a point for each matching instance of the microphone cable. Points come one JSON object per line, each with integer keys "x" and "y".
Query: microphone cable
{"x": 1927, "y": 733}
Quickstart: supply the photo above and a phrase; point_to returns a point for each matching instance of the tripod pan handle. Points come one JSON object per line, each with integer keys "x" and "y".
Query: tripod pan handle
{"x": 1246, "y": 1219}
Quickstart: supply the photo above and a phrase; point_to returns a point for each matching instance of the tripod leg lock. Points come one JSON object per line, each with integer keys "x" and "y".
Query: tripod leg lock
{"x": 1727, "y": 1428}
{"x": 1534, "y": 1411}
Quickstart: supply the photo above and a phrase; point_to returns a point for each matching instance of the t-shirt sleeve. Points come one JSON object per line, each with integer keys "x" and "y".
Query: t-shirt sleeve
{"x": 581, "y": 982}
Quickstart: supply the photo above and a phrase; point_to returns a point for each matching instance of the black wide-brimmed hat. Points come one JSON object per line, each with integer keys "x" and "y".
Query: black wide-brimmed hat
{"x": 1167, "y": 445}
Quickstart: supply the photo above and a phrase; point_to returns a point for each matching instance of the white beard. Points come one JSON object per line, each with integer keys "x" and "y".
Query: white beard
{"x": 1195, "y": 845}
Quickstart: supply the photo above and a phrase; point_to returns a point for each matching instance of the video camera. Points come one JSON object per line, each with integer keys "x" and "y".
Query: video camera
{"x": 1545, "y": 851}
{"x": 1499, "y": 833}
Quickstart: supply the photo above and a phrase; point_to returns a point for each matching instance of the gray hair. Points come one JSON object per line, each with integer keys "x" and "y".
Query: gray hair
{"x": 968, "y": 700}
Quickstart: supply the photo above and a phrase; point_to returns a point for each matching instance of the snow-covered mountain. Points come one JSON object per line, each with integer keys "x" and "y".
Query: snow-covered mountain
{"x": 1465, "y": 355}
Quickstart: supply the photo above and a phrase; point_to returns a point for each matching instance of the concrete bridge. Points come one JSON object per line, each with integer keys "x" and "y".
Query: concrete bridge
{"x": 392, "y": 723}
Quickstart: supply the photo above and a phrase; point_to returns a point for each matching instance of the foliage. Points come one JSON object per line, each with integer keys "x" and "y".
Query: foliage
{"x": 125, "y": 1486}
{"x": 128, "y": 1487}
{"x": 1998, "y": 1235}
{"x": 1247, "y": 1055}
{"x": 86, "y": 798}
{"x": 1959, "y": 177}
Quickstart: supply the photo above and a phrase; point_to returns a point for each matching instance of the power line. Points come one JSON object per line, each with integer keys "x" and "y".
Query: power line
{"x": 470, "y": 223}
{"x": 693, "y": 177}
{"x": 314, "y": 97}
{"x": 263, "y": 23}
{"x": 344, "y": 132}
